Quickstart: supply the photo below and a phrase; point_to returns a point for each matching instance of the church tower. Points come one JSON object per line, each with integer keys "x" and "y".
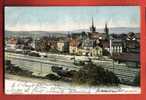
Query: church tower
{"x": 106, "y": 31}
{"x": 93, "y": 28}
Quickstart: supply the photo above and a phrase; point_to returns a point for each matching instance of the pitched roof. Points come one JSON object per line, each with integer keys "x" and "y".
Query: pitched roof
{"x": 74, "y": 42}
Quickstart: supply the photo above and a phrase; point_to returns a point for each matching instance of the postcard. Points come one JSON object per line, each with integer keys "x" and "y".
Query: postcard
{"x": 72, "y": 50}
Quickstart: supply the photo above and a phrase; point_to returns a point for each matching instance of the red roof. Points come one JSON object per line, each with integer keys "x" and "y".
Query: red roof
{"x": 74, "y": 42}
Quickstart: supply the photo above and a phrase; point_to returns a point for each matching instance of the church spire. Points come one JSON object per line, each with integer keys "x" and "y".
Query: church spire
{"x": 92, "y": 22}
{"x": 106, "y": 30}
{"x": 93, "y": 28}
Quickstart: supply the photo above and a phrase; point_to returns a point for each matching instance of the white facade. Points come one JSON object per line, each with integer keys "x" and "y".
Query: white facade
{"x": 73, "y": 49}
{"x": 60, "y": 46}
{"x": 11, "y": 46}
{"x": 115, "y": 47}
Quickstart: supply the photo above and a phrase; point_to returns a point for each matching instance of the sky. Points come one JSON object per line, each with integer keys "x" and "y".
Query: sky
{"x": 67, "y": 18}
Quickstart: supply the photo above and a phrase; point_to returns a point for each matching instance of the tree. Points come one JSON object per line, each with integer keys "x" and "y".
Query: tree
{"x": 42, "y": 44}
{"x": 95, "y": 75}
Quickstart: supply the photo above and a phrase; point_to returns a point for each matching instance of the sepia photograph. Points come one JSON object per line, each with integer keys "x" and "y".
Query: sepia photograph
{"x": 72, "y": 50}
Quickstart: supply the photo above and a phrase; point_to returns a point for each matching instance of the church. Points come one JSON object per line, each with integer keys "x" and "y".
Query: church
{"x": 88, "y": 43}
{"x": 93, "y": 34}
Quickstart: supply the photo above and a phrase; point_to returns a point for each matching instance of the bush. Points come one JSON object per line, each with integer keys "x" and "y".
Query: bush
{"x": 80, "y": 77}
{"x": 106, "y": 53}
{"x": 95, "y": 75}
{"x": 63, "y": 73}
{"x": 137, "y": 80}
{"x": 52, "y": 77}
{"x": 34, "y": 54}
{"x": 56, "y": 69}
{"x": 7, "y": 62}
{"x": 79, "y": 63}
{"x": 8, "y": 66}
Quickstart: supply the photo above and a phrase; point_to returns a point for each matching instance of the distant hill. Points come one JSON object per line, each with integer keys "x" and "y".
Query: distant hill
{"x": 33, "y": 33}
{"x": 116, "y": 30}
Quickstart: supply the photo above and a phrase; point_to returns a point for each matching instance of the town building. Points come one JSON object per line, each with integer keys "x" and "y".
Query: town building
{"x": 93, "y": 34}
{"x": 11, "y": 43}
{"x": 46, "y": 44}
{"x": 131, "y": 44}
{"x": 63, "y": 46}
{"x": 88, "y": 43}
{"x": 73, "y": 46}
{"x": 89, "y": 47}
{"x": 130, "y": 51}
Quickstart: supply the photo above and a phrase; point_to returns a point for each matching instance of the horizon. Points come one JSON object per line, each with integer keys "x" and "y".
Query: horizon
{"x": 67, "y": 31}
{"x": 70, "y": 18}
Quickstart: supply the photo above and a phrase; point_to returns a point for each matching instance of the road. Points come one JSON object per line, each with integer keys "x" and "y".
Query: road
{"x": 51, "y": 59}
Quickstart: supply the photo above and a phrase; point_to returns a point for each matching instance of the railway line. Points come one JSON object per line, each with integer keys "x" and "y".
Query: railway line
{"x": 43, "y": 65}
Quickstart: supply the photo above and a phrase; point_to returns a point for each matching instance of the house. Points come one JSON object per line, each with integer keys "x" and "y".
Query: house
{"x": 89, "y": 48}
{"x": 46, "y": 44}
{"x": 88, "y": 44}
{"x": 132, "y": 46}
{"x": 93, "y": 52}
{"x": 97, "y": 51}
{"x": 63, "y": 46}
{"x": 117, "y": 46}
{"x": 73, "y": 46}
{"x": 112, "y": 46}
{"x": 52, "y": 44}
{"x": 105, "y": 45}
{"x": 12, "y": 42}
